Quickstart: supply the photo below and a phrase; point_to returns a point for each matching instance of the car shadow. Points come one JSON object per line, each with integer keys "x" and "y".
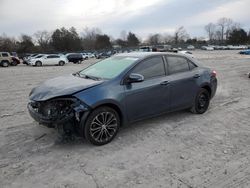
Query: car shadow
{"x": 134, "y": 129}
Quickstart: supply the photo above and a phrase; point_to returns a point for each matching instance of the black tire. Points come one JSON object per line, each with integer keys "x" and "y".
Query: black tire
{"x": 101, "y": 126}
{"x": 5, "y": 63}
{"x": 202, "y": 101}
{"x": 61, "y": 63}
{"x": 39, "y": 64}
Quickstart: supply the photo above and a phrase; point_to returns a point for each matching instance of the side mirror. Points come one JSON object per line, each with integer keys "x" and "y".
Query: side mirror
{"x": 135, "y": 78}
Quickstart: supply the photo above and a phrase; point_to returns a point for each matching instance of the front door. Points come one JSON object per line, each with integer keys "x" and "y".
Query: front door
{"x": 151, "y": 96}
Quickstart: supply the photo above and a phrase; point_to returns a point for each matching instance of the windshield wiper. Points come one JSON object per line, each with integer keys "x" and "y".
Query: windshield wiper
{"x": 86, "y": 76}
{"x": 76, "y": 74}
{"x": 89, "y": 77}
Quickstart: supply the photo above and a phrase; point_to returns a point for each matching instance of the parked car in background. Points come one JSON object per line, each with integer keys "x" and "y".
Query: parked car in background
{"x": 103, "y": 55}
{"x": 14, "y": 54}
{"x": 245, "y": 52}
{"x": 91, "y": 55}
{"x": 5, "y": 59}
{"x": 122, "y": 89}
{"x": 15, "y": 61}
{"x": 187, "y": 53}
{"x": 161, "y": 48}
{"x": 28, "y": 57}
{"x": 85, "y": 56}
{"x": 51, "y": 59}
{"x": 74, "y": 57}
{"x": 34, "y": 57}
{"x": 190, "y": 47}
{"x": 145, "y": 49}
{"x": 209, "y": 48}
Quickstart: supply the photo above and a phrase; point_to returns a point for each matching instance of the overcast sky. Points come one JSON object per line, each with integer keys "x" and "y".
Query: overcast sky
{"x": 142, "y": 17}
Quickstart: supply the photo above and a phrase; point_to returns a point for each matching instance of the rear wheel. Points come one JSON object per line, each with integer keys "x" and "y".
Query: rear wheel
{"x": 102, "y": 126}
{"x": 202, "y": 101}
{"x": 38, "y": 63}
{"x": 5, "y": 63}
{"x": 61, "y": 63}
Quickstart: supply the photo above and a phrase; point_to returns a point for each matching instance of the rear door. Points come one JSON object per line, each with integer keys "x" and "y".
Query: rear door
{"x": 151, "y": 96}
{"x": 183, "y": 81}
{"x": 51, "y": 60}
{"x": 56, "y": 59}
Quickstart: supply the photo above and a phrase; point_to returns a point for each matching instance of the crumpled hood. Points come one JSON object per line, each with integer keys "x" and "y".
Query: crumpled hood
{"x": 60, "y": 86}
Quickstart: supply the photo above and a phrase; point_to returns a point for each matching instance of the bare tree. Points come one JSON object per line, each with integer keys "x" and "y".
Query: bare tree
{"x": 234, "y": 26}
{"x": 217, "y": 35}
{"x": 154, "y": 39}
{"x": 167, "y": 39}
{"x": 224, "y": 24}
{"x": 43, "y": 38}
{"x": 180, "y": 35}
{"x": 210, "y": 29}
{"x": 89, "y": 36}
{"x": 7, "y": 43}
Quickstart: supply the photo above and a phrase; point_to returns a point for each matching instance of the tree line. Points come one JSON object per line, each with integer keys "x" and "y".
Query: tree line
{"x": 224, "y": 31}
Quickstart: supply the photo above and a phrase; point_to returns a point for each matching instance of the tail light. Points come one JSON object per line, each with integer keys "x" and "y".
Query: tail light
{"x": 213, "y": 73}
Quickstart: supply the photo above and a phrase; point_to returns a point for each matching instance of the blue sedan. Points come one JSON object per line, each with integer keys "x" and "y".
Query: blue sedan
{"x": 122, "y": 89}
{"x": 245, "y": 52}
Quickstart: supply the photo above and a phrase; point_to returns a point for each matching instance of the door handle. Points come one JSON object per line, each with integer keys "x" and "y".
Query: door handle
{"x": 165, "y": 83}
{"x": 196, "y": 76}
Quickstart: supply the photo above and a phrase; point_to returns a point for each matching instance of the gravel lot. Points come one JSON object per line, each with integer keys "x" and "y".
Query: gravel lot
{"x": 174, "y": 150}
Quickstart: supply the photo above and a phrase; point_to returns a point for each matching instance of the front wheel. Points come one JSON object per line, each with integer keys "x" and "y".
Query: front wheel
{"x": 38, "y": 63}
{"x": 202, "y": 101}
{"x": 102, "y": 126}
{"x": 61, "y": 63}
{"x": 5, "y": 63}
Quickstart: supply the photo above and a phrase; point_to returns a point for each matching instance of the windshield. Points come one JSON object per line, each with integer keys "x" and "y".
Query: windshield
{"x": 108, "y": 68}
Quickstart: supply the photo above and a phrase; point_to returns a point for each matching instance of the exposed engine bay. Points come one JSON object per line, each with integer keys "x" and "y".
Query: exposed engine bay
{"x": 61, "y": 113}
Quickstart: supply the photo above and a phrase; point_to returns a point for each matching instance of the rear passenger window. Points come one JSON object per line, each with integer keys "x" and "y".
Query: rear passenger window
{"x": 5, "y": 55}
{"x": 150, "y": 68}
{"x": 177, "y": 64}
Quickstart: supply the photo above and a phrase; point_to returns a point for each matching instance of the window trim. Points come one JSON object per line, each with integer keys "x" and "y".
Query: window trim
{"x": 190, "y": 62}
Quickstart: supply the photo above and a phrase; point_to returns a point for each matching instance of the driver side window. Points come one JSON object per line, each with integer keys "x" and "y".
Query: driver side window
{"x": 150, "y": 68}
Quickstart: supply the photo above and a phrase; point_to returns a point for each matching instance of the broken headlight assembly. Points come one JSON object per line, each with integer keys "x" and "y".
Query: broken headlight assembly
{"x": 57, "y": 111}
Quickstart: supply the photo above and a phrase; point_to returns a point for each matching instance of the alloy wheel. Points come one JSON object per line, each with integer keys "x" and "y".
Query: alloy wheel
{"x": 103, "y": 127}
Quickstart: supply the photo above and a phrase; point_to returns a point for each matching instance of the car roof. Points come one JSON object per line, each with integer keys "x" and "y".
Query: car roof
{"x": 143, "y": 55}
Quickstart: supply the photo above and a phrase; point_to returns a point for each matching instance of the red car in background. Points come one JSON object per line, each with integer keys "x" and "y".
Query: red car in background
{"x": 15, "y": 59}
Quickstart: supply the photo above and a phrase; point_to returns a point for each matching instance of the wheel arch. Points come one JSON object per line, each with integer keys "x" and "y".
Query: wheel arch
{"x": 114, "y": 106}
{"x": 38, "y": 61}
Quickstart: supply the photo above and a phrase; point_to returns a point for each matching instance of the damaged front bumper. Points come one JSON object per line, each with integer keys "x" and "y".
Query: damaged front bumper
{"x": 57, "y": 111}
